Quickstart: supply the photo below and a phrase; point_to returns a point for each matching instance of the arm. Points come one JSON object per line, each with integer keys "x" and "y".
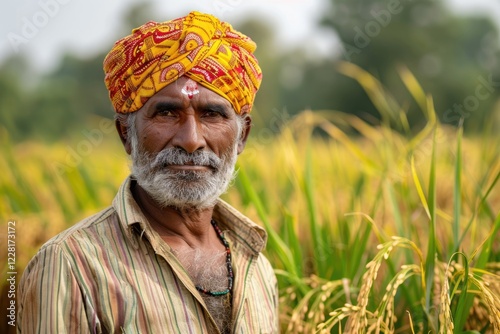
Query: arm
{"x": 50, "y": 298}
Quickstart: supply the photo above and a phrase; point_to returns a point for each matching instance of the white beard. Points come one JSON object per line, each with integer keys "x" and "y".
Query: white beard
{"x": 182, "y": 189}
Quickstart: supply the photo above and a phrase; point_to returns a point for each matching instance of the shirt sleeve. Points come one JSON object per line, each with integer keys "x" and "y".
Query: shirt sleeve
{"x": 50, "y": 298}
{"x": 274, "y": 293}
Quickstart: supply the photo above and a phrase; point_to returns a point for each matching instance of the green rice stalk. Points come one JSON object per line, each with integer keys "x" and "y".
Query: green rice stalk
{"x": 319, "y": 260}
{"x": 457, "y": 191}
{"x": 464, "y": 299}
{"x": 275, "y": 241}
{"x": 431, "y": 249}
{"x": 293, "y": 242}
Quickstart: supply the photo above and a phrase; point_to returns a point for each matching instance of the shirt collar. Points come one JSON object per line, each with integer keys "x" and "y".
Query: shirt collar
{"x": 248, "y": 234}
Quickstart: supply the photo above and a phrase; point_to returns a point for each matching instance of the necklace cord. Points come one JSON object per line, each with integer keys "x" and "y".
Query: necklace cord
{"x": 230, "y": 275}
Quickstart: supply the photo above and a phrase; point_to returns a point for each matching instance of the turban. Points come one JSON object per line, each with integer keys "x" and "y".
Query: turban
{"x": 197, "y": 46}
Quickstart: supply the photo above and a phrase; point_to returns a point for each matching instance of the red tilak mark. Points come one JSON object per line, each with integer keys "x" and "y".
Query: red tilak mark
{"x": 190, "y": 89}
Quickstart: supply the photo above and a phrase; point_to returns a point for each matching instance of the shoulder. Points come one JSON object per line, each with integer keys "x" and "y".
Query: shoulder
{"x": 266, "y": 269}
{"x": 81, "y": 235}
{"x": 85, "y": 229}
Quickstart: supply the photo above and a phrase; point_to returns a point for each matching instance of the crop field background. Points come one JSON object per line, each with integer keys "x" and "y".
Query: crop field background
{"x": 383, "y": 231}
{"x": 373, "y": 162}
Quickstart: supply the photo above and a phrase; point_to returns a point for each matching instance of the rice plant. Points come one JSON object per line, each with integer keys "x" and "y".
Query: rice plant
{"x": 433, "y": 214}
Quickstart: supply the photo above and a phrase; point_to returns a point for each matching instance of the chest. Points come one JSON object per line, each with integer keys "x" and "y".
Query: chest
{"x": 147, "y": 293}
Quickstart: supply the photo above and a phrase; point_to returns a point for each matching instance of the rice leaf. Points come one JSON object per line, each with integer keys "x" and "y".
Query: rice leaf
{"x": 418, "y": 186}
{"x": 414, "y": 88}
{"x": 385, "y": 104}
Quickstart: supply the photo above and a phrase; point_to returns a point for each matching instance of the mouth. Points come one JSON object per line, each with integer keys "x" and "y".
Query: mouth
{"x": 193, "y": 168}
{"x": 189, "y": 166}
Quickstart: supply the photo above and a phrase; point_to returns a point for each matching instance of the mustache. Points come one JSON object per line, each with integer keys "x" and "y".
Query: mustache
{"x": 178, "y": 156}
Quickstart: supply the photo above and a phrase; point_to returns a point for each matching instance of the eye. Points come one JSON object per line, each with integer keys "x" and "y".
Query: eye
{"x": 214, "y": 111}
{"x": 166, "y": 112}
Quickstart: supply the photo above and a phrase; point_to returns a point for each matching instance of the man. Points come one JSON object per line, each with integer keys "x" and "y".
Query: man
{"x": 168, "y": 256}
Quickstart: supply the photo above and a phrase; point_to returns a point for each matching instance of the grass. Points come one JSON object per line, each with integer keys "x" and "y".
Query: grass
{"x": 383, "y": 232}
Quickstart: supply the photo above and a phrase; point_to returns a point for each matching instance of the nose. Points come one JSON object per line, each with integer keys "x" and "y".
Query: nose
{"x": 189, "y": 135}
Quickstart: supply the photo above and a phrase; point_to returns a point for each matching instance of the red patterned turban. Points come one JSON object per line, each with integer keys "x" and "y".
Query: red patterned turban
{"x": 198, "y": 46}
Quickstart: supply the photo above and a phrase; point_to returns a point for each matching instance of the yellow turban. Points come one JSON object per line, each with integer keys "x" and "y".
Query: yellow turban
{"x": 198, "y": 46}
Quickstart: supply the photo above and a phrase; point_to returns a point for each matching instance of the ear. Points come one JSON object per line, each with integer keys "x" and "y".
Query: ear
{"x": 245, "y": 131}
{"x": 123, "y": 133}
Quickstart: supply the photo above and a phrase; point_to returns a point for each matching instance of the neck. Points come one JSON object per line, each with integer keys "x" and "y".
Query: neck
{"x": 179, "y": 228}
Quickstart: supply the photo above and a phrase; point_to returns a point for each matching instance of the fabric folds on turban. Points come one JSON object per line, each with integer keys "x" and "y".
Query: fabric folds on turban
{"x": 198, "y": 46}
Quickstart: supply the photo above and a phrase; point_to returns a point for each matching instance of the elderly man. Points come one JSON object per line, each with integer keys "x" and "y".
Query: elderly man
{"x": 168, "y": 256}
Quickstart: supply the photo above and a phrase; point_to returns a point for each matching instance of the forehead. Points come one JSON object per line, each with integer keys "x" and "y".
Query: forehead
{"x": 177, "y": 91}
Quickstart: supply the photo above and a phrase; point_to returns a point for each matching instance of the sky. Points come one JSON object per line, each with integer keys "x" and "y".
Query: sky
{"x": 45, "y": 29}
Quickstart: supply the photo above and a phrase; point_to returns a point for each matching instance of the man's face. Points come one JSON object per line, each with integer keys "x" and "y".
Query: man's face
{"x": 184, "y": 145}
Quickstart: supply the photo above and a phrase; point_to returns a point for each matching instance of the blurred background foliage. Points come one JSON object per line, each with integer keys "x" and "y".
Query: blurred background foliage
{"x": 363, "y": 150}
{"x": 456, "y": 59}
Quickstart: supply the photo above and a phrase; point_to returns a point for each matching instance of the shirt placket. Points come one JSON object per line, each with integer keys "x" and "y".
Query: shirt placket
{"x": 162, "y": 249}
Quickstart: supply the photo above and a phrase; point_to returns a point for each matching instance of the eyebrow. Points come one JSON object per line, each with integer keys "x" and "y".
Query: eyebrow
{"x": 167, "y": 105}
{"x": 177, "y": 105}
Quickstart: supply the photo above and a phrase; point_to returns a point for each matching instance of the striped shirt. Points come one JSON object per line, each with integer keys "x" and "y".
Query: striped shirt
{"x": 112, "y": 273}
